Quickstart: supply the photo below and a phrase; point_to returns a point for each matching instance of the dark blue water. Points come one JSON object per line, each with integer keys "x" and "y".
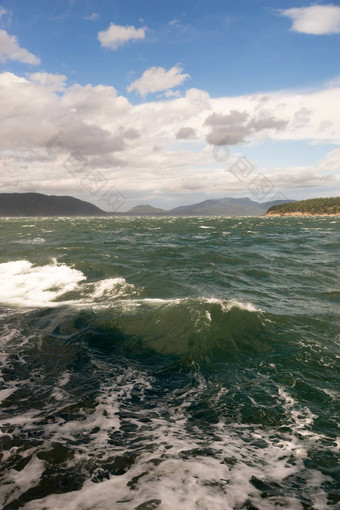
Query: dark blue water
{"x": 166, "y": 363}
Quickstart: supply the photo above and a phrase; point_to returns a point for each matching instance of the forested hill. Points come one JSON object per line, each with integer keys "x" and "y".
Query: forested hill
{"x": 312, "y": 206}
{"x": 37, "y": 204}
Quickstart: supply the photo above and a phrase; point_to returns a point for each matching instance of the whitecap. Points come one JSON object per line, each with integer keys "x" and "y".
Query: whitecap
{"x": 55, "y": 284}
{"x": 23, "y": 284}
{"x": 36, "y": 240}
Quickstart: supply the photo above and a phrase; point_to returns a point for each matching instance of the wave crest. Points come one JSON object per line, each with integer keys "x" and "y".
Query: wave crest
{"x": 55, "y": 284}
{"x": 199, "y": 328}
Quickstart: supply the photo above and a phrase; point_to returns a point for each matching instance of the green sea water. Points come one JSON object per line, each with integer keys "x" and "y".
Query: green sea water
{"x": 169, "y": 363}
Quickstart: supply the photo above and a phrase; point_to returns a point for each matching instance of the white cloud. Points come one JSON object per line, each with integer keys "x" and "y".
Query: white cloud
{"x": 331, "y": 162}
{"x": 55, "y": 82}
{"x": 236, "y": 127}
{"x": 92, "y": 17}
{"x": 309, "y": 115}
{"x": 298, "y": 177}
{"x": 156, "y": 79}
{"x": 131, "y": 134}
{"x": 172, "y": 93}
{"x": 11, "y": 50}
{"x": 186, "y": 133}
{"x": 117, "y": 35}
{"x": 315, "y": 20}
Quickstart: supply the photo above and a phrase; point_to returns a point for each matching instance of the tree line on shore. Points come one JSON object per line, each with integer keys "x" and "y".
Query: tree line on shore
{"x": 329, "y": 205}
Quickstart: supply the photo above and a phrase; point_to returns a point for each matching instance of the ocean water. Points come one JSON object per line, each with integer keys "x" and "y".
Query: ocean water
{"x": 169, "y": 363}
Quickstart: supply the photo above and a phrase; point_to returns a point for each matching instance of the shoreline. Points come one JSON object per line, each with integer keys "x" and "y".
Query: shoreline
{"x": 301, "y": 214}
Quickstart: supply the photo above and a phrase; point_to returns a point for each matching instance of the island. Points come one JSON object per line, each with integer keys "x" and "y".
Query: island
{"x": 312, "y": 207}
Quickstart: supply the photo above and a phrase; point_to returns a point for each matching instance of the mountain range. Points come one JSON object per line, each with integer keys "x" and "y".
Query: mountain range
{"x": 37, "y": 204}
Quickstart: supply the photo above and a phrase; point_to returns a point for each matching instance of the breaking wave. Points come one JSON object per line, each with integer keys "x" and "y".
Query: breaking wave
{"x": 26, "y": 285}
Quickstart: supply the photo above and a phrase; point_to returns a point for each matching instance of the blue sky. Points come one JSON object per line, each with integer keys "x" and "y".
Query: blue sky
{"x": 227, "y": 47}
{"x": 259, "y": 76}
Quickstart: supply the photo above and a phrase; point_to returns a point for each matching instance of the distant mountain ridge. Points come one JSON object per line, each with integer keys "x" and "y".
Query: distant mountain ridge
{"x": 212, "y": 207}
{"x": 146, "y": 209}
{"x": 37, "y": 204}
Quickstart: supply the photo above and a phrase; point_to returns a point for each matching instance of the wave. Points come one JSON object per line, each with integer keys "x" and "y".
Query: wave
{"x": 202, "y": 328}
{"x": 55, "y": 284}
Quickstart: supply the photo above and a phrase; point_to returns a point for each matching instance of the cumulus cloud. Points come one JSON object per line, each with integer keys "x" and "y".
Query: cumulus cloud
{"x": 186, "y": 133}
{"x": 172, "y": 93}
{"x": 227, "y": 129}
{"x": 117, "y": 35}
{"x": 157, "y": 79}
{"x": 11, "y": 50}
{"x": 91, "y": 140}
{"x": 314, "y": 20}
{"x": 236, "y": 127}
{"x": 266, "y": 122}
{"x": 39, "y": 106}
{"x": 231, "y": 119}
{"x": 55, "y": 82}
{"x": 131, "y": 134}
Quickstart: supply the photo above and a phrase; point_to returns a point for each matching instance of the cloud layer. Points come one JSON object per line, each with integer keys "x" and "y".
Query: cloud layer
{"x": 88, "y": 134}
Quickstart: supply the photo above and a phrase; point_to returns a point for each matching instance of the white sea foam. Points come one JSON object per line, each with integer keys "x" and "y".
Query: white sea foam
{"x": 4, "y": 394}
{"x": 184, "y": 476}
{"x": 7, "y": 335}
{"x": 227, "y": 305}
{"x": 23, "y": 284}
{"x": 26, "y": 285}
{"x": 35, "y": 240}
{"x": 17, "y": 482}
{"x": 172, "y": 466}
{"x": 59, "y": 392}
{"x": 111, "y": 287}
{"x": 332, "y": 394}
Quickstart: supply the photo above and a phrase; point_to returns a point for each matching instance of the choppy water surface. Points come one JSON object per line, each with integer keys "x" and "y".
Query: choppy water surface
{"x": 169, "y": 363}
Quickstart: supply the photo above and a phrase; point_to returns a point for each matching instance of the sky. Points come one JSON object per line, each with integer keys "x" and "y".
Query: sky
{"x": 170, "y": 103}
